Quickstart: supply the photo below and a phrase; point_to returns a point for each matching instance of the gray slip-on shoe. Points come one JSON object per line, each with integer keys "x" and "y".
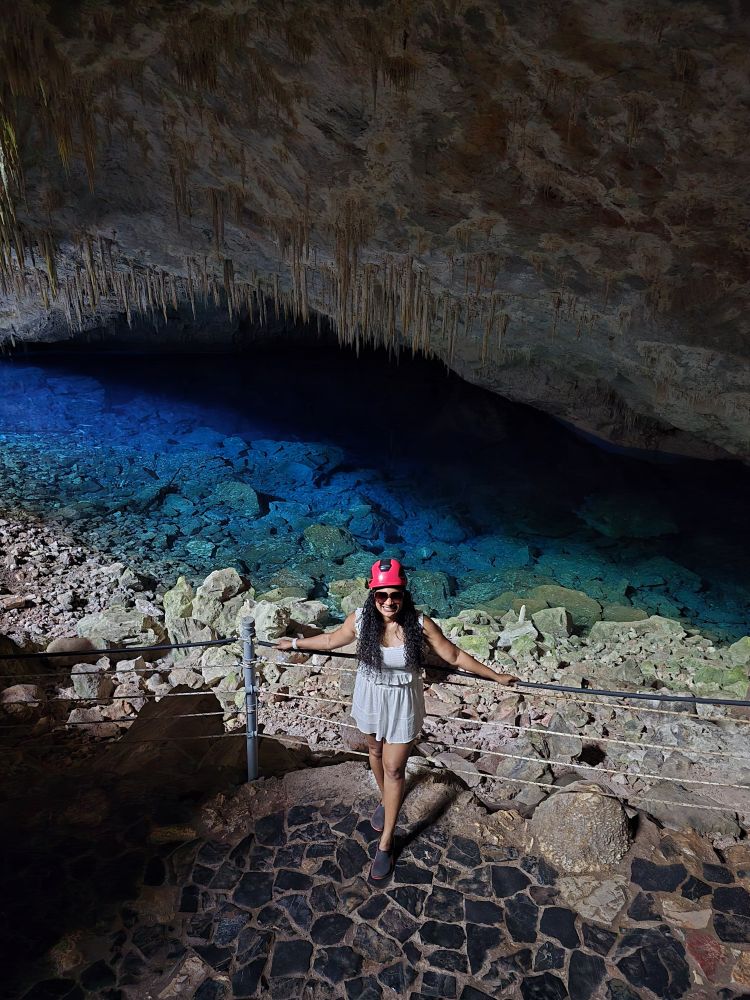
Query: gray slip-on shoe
{"x": 378, "y": 819}
{"x": 382, "y": 865}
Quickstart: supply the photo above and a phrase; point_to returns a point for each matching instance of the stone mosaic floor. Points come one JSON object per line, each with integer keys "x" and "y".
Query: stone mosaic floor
{"x": 289, "y": 913}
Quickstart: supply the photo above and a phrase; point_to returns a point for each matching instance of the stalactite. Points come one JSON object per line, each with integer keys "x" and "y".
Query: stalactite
{"x": 229, "y": 287}
{"x": 217, "y": 217}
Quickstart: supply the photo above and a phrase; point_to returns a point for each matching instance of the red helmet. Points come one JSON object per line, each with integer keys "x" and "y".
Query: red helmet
{"x": 387, "y": 573}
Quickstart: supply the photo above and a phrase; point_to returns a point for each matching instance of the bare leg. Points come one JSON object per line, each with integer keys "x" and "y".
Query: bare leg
{"x": 395, "y": 756}
{"x": 375, "y": 750}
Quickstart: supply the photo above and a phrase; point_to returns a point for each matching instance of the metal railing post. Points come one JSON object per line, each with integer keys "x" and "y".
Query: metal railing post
{"x": 247, "y": 634}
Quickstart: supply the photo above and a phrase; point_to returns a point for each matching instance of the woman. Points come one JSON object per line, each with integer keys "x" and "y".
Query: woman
{"x": 388, "y": 704}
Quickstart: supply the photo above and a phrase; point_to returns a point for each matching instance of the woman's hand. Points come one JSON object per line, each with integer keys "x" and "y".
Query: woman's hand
{"x": 322, "y": 643}
{"x": 458, "y": 657}
{"x": 506, "y": 679}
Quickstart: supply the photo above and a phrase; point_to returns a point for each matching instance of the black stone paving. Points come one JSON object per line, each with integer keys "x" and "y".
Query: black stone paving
{"x": 277, "y": 916}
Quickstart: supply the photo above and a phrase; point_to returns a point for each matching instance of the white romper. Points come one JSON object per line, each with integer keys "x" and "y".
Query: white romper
{"x": 391, "y": 705}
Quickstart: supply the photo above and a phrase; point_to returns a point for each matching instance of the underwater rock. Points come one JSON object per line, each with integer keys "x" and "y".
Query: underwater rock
{"x": 623, "y": 613}
{"x": 329, "y": 542}
{"x": 579, "y": 830}
{"x": 366, "y": 523}
{"x": 618, "y": 515}
{"x": 510, "y": 602}
{"x": 236, "y": 495}
{"x": 279, "y": 594}
{"x": 431, "y": 589}
{"x": 201, "y": 548}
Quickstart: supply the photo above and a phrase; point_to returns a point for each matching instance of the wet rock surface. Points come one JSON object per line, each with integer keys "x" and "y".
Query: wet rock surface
{"x": 265, "y": 915}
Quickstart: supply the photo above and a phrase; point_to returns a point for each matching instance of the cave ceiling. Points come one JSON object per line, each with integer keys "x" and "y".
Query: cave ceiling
{"x": 549, "y": 197}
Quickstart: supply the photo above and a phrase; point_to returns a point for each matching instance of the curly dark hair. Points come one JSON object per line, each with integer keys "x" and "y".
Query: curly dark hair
{"x": 372, "y": 629}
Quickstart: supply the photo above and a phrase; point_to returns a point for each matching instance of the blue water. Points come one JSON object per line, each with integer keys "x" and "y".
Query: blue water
{"x": 141, "y": 456}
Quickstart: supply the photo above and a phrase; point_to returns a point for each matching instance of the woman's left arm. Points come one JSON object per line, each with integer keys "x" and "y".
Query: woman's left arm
{"x": 449, "y": 652}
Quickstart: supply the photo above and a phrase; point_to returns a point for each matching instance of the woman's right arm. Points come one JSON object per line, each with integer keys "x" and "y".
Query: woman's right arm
{"x": 325, "y": 642}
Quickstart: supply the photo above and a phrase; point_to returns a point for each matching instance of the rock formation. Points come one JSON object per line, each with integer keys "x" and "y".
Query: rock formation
{"x": 550, "y": 198}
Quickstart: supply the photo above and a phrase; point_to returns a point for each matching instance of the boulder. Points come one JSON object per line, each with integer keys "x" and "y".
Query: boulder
{"x": 349, "y": 594}
{"x": 354, "y": 600}
{"x": 729, "y": 682}
{"x": 22, "y": 701}
{"x": 478, "y": 645}
{"x": 186, "y": 675}
{"x": 120, "y": 626}
{"x": 611, "y": 631}
{"x": 623, "y": 613}
{"x": 580, "y": 829}
{"x": 515, "y": 630}
{"x": 91, "y": 680}
{"x": 679, "y": 808}
{"x": 178, "y": 602}
{"x": 219, "y": 589}
{"x": 309, "y": 612}
{"x": 583, "y": 610}
{"x": 463, "y": 769}
{"x": 523, "y": 645}
{"x": 271, "y": 620}
{"x": 508, "y": 601}
{"x": 237, "y": 496}
{"x": 9, "y": 648}
{"x": 553, "y": 622}
{"x": 218, "y": 662}
{"x": 76, "y": 645}
{"x": 514, "y": 773}
{"x": 294, "y": 677}
{"x": 187, "y": 630}
{"x": 94, "y": 722}
{"x": 739, "y": 652}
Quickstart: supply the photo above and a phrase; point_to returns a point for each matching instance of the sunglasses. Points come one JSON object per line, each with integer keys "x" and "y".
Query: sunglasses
{"x": 381, "y": 596}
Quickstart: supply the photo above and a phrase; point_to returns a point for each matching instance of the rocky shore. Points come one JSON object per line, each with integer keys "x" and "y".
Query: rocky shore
{"x": 684, "y": 763}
